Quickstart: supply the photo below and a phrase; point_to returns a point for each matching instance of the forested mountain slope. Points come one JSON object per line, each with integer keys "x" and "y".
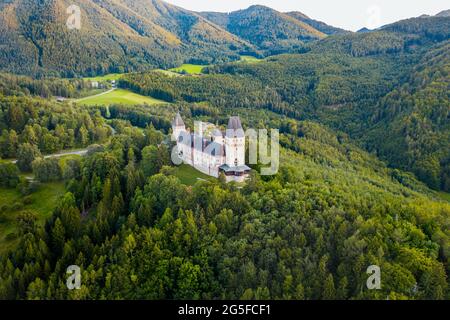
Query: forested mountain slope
{"x": 308, "y": 232}
{"x": 268, "y": 29}
{"x": 412, "y": 123}
{"x": 318, "y": 25}
{"x": 348, "y": 82}
{"x": 115, "y": 36}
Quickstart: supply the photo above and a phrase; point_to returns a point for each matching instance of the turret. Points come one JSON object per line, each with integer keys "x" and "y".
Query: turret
{"x": 235, "y": 143}
{"x": 177, "y": 126}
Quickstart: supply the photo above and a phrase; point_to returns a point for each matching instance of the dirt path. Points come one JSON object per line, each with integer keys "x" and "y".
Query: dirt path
{"x": 96, "y": 95}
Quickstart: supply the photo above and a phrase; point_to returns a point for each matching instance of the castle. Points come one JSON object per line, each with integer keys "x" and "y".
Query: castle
{"x": 211, "y": 151}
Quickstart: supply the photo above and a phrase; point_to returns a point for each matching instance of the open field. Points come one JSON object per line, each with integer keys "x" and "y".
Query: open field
{"x": 119, "y": 96}
{"x": 12, "y": 203}
{"x": 189, "y": 69}
{"x": 189, "y": 176}
{"x": 168, "y": 73}
{"x": 249, "y": 59}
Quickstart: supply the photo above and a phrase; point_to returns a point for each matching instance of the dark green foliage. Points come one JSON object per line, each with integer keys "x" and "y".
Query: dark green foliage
{"x": 48, "y": 126}
{"x": 9, "y": 175}
{"x": 310, "y": 232}
{"x": 46, "y": 88}
{"x": 26, "y": 154}
{"x": 154, "y": 158}
{"x": 46, "y": 170}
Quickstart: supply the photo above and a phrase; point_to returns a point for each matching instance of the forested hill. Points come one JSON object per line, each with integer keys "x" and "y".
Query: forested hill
{"x": 309, "y": 232}
{"x": 388, "y": 89}
{"x": 115, "y": 36}
{"x": 267, "y": 29}
{"x": 133, "y": 35}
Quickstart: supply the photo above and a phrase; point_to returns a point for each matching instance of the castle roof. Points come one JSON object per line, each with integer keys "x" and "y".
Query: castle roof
{"x": 234, "y": 123}
{"x": 178, "y": 121}
{"x": 201, "y": 144}
{"x": 234, "y": 128}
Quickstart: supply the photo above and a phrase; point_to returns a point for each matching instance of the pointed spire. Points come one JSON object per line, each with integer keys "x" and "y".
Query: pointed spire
{"x": 234, "y": 123}
{"x": 178, "y": 121}
{"x": 234, "y": 128}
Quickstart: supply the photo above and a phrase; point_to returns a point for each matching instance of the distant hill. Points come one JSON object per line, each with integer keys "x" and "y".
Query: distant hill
{"x": 135, "y": 35}
{"x": 364, "y": 30}
{"x": 318, "y": 25}
{"x": 445, "y": 13}
{"x": 429, "y": 28}
{"x": 266, "y": 28}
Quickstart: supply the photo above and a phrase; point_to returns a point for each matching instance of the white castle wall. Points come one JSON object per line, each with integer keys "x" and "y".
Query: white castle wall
{"x": 206, "y": 162}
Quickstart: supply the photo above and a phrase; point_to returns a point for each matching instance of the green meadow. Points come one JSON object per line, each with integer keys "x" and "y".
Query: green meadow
{"x": 189, "y": 69}
{"x": 249, "y": 59}
{"x": 119, "y": 96}
{"x": 12, "y": 203}
{"x": 189, "y": 176}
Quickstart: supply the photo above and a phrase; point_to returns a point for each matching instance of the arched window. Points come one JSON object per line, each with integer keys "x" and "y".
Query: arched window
{"x": 235, "y": 162}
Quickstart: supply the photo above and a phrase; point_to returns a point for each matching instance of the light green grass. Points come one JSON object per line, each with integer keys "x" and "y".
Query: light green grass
{"x": 119, "y": 96}
{"x": 90, "y": 92}
{"x": 167, "y": 73}
{"x": 106, "y": 77}
{"x": 189, "y": 69}
{"x": 189, "y": 176}
{"x": 249, "y": 59}
{"x": 445, "y": 196}
{"x": 43, "y": 202}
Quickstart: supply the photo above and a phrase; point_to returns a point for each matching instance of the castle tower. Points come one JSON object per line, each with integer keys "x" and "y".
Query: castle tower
{"x": 235, "y": 143}
{"x": 177, "y": 126}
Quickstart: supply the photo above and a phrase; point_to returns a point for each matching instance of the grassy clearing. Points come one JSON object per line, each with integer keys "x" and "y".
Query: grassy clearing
{"x": 12, "y": 203}
{"x": 119, "y": 96}
{"x": 249, "y": 59}
{"x": 189, "y": 69}
{"x": 189, "y": 176}
{"x": 168, "y": 73}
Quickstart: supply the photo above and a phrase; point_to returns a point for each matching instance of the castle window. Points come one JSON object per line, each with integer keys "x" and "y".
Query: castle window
{"x": 236, "y": 162}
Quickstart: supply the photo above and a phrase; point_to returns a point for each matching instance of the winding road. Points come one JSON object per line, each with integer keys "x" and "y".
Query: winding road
{"x": 80, "y": 152}
{"x": 97, "y": 95}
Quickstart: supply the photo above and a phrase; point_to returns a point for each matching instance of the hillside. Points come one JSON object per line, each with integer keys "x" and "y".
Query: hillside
{"x": 266, "y": 28}
{"x": 308, "y": 232}
{"x": 412, "y": 123}
{"x": 387, "y": 89}
{"x": 115, "y": 36}
{"x": 445, "y": 13}
{"x": 318, "y": 25}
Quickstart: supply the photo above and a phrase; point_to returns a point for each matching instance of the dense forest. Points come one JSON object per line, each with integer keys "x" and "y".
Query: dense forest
{"x": 14, "y": 85}
{"x": 307, "y": 233}
{"x": 34, "y": 126}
